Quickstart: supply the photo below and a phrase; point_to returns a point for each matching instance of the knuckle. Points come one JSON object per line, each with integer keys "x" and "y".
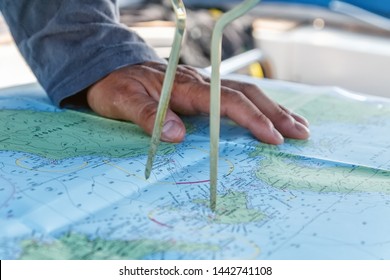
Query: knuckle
{"x": 232, "y": 100}
{"x": 248, "y": 87}
{"x": 188, "y": 74}
{"x": 282, "y": 117}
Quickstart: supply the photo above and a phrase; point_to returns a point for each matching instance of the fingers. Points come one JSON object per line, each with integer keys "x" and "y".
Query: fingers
{"x": 195, "y": 99}
{"x": 247, "y": 106}
{"x": 297, "y": 117}
{"x": 132, "y": 93}
{"x": 268, "y": 121}
{"x": 239, "y": 108}
{"x": 288, "y": 124}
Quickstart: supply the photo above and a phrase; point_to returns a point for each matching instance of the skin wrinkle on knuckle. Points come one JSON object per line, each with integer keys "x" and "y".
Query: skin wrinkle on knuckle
{"x": 283, "y": 119}
{"x": 285, "y": 109}
{"x": 249, "y": 88}
{"x": 285, "y": 124}
{"x": 191, "y": 73}
{"x": 244, "y": 87}
{"x": 232, "y": 100}
{"x": 183, "y": 77}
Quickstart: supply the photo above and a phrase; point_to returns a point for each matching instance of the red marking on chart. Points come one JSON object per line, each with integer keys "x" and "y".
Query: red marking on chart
{"x": 159, "y": 223}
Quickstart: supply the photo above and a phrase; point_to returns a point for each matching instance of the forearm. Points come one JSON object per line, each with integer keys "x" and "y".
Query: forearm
{"x": 71, "y": 44}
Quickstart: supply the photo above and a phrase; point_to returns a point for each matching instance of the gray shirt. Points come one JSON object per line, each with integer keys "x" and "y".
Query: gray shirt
{"x": 71, "y": 44}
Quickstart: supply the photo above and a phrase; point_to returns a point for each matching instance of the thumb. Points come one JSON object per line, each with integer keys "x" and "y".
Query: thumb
{"x": 173, "y": 129}
{"x": 137, "y": 106}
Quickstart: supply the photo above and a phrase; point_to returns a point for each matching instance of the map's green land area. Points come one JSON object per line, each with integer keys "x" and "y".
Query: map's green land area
{"x": 74, "y": 246}
{"x": 325, "y": 108}
{"x": 232, "y": 208}
{"x": 286, "y": 171}
{"x": 69, "y": 134}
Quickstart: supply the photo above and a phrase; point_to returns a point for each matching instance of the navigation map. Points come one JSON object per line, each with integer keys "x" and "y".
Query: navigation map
{"x": 72, "y": 184}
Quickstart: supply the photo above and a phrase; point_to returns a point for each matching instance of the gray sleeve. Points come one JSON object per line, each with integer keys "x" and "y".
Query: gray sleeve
{"x": 70, "y": 44}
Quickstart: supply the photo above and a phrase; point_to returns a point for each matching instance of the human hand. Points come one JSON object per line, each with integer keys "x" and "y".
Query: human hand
{"x": 132, "y": 93}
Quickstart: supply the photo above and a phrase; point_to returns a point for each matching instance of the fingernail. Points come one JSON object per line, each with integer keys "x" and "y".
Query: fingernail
{"x": 172, "y": 131}
{"x": 278, "y": 136}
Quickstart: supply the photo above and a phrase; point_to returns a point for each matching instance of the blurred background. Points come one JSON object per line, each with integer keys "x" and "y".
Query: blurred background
{"x": 318, "y": 42}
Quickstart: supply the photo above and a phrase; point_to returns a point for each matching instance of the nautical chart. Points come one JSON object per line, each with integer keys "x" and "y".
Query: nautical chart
{"x": 72, "y": 184}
